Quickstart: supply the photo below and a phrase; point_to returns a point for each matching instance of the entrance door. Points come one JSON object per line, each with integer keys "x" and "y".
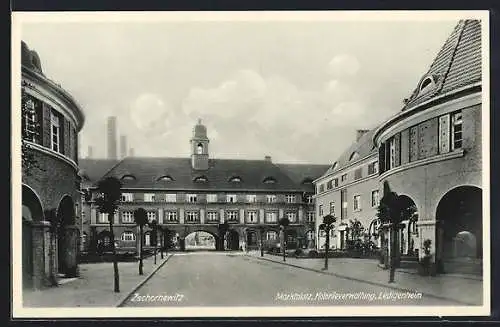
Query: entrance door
{"x": 27, "y": 249}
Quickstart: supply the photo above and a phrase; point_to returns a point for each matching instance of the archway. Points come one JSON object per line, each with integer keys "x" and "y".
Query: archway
{"x": 251, "y": 239}
{"x": 65, "y": 217}
{"x": 460, "y": 225}
{"x": 232, "y": 240}
{"x": 200, "y": 240}
{"x": 31, "y": 211}
{"x": 291, "y": 239}
{"x": 408, "y": 234}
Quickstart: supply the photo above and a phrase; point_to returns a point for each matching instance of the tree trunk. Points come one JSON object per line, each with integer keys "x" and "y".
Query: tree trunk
{"x": 327, "y": 247}
{"x": 115, "y": 262}
{"x": 140, "y": 252}
{"x": 394, "y": 248}
{"x": 261, "y": 244}
{"x": 284, "y": 244}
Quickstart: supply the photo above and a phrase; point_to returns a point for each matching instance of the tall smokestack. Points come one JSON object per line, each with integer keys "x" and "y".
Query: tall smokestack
{"x": 111, "y": 129}
{"x": 123, "y": 146}
{"x": 89, "y": 152}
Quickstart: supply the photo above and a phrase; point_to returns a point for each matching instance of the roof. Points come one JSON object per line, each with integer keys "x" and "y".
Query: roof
{"x": 456, "y": 65}
{"x": 363, "y": 148}
{"x": 147, "y": 173}
{"x": 93, "y": 169}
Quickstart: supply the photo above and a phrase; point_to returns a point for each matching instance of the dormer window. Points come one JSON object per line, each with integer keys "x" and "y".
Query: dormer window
{"x": 128, "y": 178}
{"x": 166, "y": 178}
{"x": 269, "y": 180}
{"x": 427, "y": 84}
{"x": 307, "y": 181}
{"x": 235, "y": 179}
{"x": 334, "y": 166}
{"x": 199, "y": 148}
{"x": 201, "y": 179}
{"x": 353, "y": 156}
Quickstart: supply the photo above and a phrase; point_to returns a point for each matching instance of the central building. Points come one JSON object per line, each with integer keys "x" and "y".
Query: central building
{"x": 239, "y": 202}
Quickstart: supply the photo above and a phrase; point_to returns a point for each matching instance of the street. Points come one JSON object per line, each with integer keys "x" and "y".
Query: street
{"x": 230, "y": 279}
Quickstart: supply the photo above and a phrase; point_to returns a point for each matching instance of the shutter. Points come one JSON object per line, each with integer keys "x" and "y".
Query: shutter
{"x": 444, "y": 134}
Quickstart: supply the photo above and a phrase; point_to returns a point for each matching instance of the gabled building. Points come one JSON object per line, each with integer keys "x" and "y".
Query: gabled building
{"x": 199, "y": 193}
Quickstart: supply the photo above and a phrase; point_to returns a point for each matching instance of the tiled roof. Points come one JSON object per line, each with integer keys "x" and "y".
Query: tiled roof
{"x": 301, "y": 173}
{"x": 457, "y": 64}
{"x": 363, "y": 147}
{"x": 147, "y": 174}
{"x": 91, "y": 170}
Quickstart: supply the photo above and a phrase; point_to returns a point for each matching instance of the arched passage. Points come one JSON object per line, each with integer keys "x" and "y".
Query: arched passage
{"x": 200, "y": 240}
{"x": 232, "y": 240}
{"x": 65, "y": 217}
{"x": 408, "y": 234}
{"x": 31, "y": 211}
{"x": 459, "y": 228}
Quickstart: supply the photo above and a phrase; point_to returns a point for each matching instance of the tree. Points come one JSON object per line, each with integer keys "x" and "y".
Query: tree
{"x": 30, "y": 132}
{"x": 356, "y": 229}
{"x": 108, "y": 199}
{"x": 283, "y": 223}
{"x": 389, "y": 212}
{"x": 140, "y": 219}
{"x": 327, "y": 225}
{"x": 154, "y": 226}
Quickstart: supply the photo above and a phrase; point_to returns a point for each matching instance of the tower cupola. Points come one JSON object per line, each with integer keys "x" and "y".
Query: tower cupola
{"x": 199, "y": 147}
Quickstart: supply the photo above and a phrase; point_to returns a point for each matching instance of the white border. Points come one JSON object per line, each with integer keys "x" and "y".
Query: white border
{"x": 19, "y": 18}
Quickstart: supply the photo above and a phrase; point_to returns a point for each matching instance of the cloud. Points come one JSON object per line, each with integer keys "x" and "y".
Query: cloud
{"x": 343, "y": 65}
{"x": 150, "y": 113}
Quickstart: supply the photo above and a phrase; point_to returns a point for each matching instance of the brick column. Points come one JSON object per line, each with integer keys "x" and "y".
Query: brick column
{"x": 41, "y": 245}
{"x": 70, "y": 263}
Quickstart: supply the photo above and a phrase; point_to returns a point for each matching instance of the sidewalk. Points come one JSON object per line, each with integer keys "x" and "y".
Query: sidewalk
{"x": 94, "y": 287}
{"x": 465, "y": 291}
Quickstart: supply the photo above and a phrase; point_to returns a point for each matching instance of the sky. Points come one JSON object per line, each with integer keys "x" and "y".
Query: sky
{"x": 294, "y": 90}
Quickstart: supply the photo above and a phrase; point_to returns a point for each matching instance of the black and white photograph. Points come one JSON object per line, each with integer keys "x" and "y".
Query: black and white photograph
{"x": 250, "y": 164}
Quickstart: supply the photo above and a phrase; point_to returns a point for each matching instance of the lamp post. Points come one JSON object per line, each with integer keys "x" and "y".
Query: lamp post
{"x": 283, "y": 223}
{"x": 327, "y": 225}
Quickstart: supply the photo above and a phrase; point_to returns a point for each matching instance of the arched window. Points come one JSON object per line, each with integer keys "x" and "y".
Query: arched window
{"x": 235, "y": 179}
{"x": 199, "y": 148}
{"x": 334, "y": 166}
{"x": 128, "y": 236}
{"x": 353, "y": 156}
{"x": 427, "y": 84}
{"x": 201, "y": 179}
{"x": 128, "y": 177}
{"x": 269, "y": 180}
{"x": 166, "y": 178}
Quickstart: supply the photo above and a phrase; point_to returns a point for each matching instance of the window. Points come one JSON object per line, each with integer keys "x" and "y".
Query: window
{"x": 211, "y": 198}
{"x": 309, "y": 199}
{"x": 201, "y": 179}
{"x": 271, "y": 217}
{"x": 329, "y": 185}
{"x": 310, "y": 235}
{"x": 29, "y": 121}
{"x": 271, "y": 235}
{"x": 271, "y": 198}
{"x": 151, "y": 216}
{"x": 321, "y": 188}
{"x": 103, "y": 218}
{"x": 127, "y": 197}
{"x": 290, "y": 198}
{"x": 191, "y": 198}
{"x": 292, "y": 216}
{"x": 372, "y": 168}
{"x": 232, "y": 215}
{"x": 375, "y": 198}
{"x": 235, "y": 179}
{"x": 212, "y": 216}
{"x": 310, "y": 216}
{"x": 171, "y": 216}
{"x": 357, "y": 202}
{"x": 147, "y": 239}
{"x": 171, "y": 197}
{"x": 149, "y": 197}
{"x": 127, "y": 217}
{"x": 332, "y": 208}
{"x": 231, "y": 198}
{"x": 252, "y": 216}
{"x": 343, "y": 178}
{"x": 334, "y": 166}
{"x": 251, "y": 198}
{"x": 165, "y": 178}
{"x": 128, "y": 178}
{"x": 55, "y": 122}
{"x": 353, "y": 156}
{"x": 269, "y": 180}
{"x": 343, "y": 200}
{"x": 320, "y": 210}
{"x": 392, "y": 153}
{"x": 336, "y": 182}
{"x": 199, "y": 148}
{"x": 128, "y": 236}
{"x": 358, "y": 173}
{"x": 192, "y": 216}
{"x": 456, "y": 130}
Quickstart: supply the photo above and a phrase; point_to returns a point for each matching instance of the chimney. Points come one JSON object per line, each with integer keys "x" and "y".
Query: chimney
{"x": 89, "y": 153}
{"x": 360, "y": 133}
{"x": 268, "y": 158}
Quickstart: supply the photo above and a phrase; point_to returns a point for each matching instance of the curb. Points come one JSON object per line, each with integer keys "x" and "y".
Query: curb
{"x": 362, "y": 280}
{"x": 148, "y": 277}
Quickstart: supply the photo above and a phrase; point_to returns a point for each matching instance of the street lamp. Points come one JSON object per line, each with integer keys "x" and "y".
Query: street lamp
{"x": 283, "y": 223}
{"x": 327, "y": 225}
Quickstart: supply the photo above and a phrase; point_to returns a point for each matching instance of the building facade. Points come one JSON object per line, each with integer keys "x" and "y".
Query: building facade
{"x": 186, "y": 195}
{"x": 430, "y": 153}
{"x": 51, "y": 199}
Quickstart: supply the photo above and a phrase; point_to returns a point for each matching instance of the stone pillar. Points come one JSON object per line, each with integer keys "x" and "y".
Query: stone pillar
{"x": 262, "y": 216}
{"x": 222, "y": 218}
{"x": 281, "y": 213}
{"x": 93, "y": 216}
{"x": 41, "y": 250}
{"x": 70, "y": 264}
{"x": 160, "y": 216}
{"x": 202, "y": 216}
{"x": 242, "y": 216}
{"x": 427, "y": 230}
{"x": 181, "y": 216}
{"x": 301, "y": 215}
